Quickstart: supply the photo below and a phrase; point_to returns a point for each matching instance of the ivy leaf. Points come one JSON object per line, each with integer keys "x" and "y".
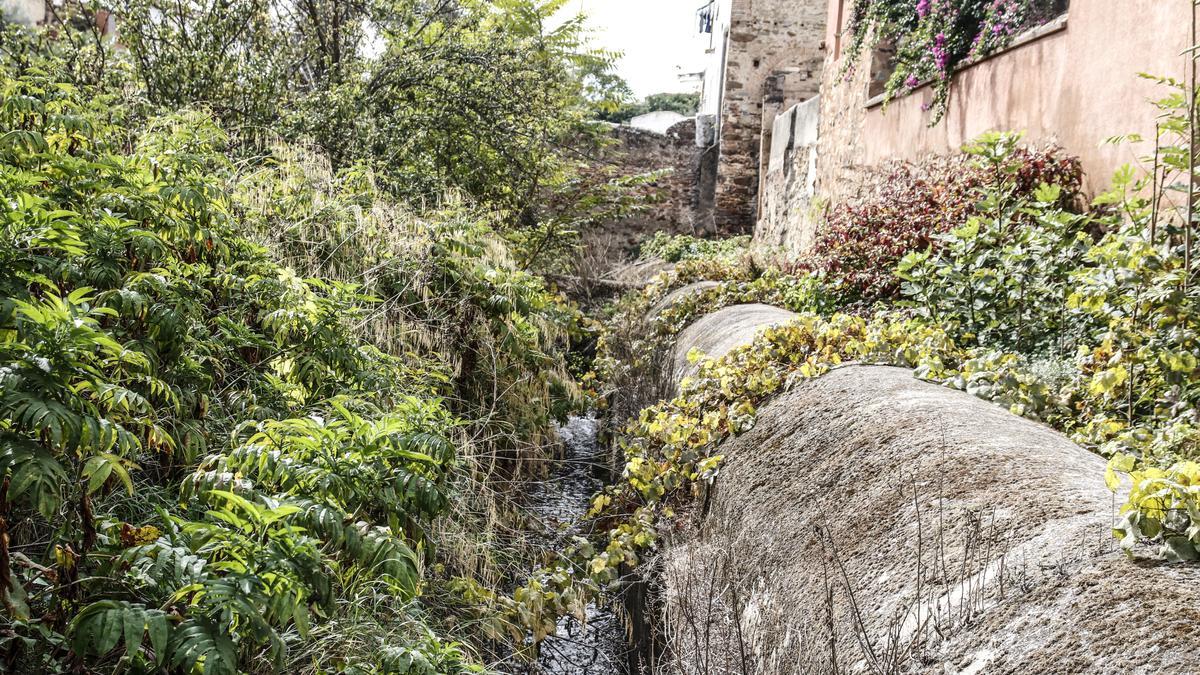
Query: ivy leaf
{"x": 1107, "y": 381}
{"x": 1120, "y": 462}
{"x": 1178, "y": 549}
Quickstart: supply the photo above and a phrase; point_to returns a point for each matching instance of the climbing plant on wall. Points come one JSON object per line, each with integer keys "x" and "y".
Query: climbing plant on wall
{"x": 934, "y": 38}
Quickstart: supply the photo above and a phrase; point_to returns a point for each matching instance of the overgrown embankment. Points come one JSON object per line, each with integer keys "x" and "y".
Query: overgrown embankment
{"x": 1051, "y": 311}
{"x": 277, "y": 365}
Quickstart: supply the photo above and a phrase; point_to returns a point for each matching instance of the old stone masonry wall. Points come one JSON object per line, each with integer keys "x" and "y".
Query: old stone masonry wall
{"x": 673, "y": 202}
{"x": 774, "y": 54}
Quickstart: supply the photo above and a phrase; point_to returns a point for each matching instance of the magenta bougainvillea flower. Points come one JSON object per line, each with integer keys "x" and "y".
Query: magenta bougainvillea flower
{"x": 941, "y": 58}
{"x": 934, "y": 38}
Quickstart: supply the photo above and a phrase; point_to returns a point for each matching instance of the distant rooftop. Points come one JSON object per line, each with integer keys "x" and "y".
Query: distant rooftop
{"x": 657, "y": 121}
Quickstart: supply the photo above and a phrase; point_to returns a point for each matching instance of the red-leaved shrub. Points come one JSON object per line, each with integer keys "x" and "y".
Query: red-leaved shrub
{"x": 864, "y": 239}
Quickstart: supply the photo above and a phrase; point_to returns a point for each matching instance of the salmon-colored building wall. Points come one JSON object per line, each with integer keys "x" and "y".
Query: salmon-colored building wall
{"x": 1077, "y": 87}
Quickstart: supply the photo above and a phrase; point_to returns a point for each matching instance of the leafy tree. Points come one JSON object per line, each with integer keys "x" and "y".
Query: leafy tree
{"x": 683, "y": 103}
{"x": 141, "y": 332}
{"x": 433, "y": 96}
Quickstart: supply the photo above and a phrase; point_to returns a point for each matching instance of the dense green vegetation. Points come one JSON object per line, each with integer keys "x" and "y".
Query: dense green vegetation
{"x": 687, "y": 247}
{"x": 911, "y": 205}
{"x": 153, "y": 355}
{"x": 274, "y": 355}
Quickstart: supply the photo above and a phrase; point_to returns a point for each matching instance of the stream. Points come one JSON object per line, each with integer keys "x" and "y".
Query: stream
{"x": 560, "y": 502}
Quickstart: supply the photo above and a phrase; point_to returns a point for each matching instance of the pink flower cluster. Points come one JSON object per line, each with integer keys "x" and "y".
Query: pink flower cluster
{"x": 1005, "y": 18}
{"x": 941, "y": 58}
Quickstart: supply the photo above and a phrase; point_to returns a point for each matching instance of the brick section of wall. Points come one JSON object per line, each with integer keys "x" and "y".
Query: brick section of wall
{"x": 837, "y": 173}
{"x": 778, "y": 39}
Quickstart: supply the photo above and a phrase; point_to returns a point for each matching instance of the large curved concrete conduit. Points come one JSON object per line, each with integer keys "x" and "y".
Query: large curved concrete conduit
{"x": 675, "y": 296}
{"x": 871, "y": 522}
{"x": 714, "y": 334}
{"x": 720, "y": 332}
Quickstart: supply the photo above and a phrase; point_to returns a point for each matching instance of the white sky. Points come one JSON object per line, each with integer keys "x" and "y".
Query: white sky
{"x": 658, "y": 38}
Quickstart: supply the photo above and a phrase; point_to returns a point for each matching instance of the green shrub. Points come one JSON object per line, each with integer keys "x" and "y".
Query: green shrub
{"x": 140, "y": 331}
{"x": 1003, "y": 278}
{"x": 674, "y": 248}
{"x": 863, "y": 239}
{"x": 491, "y": 335}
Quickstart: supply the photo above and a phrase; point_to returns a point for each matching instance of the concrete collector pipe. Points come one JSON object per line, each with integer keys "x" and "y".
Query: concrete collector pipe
{"x": 871, "y": 522}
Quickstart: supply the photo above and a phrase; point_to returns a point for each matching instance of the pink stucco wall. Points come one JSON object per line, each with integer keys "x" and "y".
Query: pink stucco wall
{"x": 1076, "y": 87}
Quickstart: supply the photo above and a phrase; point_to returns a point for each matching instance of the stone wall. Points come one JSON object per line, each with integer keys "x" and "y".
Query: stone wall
{"x": 774, "y": 56}
{"x": 787, "y": 193}
{"x": 794, "y": 195}
{"x": 674, "y": 201}
{"x": 783, "y": 88}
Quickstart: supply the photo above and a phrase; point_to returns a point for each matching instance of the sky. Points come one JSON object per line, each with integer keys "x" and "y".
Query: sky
{"x": 658, "y": 38}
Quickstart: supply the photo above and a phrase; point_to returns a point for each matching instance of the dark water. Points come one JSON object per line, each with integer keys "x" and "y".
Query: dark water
{"x": 560, "y": 502}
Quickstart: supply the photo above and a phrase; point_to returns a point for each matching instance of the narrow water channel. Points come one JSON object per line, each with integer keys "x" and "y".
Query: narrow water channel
{"x": 559, "y": 503}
